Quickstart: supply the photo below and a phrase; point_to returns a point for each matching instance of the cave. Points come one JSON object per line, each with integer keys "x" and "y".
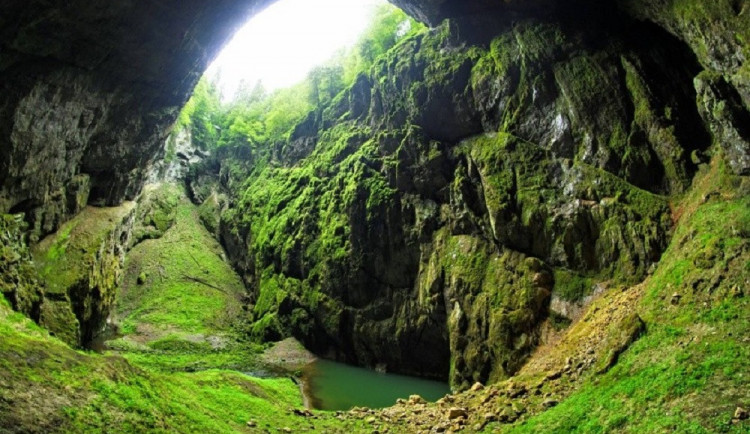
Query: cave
{"x": 485, "y": 188}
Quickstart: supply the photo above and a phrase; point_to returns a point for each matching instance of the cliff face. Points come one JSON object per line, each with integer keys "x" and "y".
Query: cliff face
{"x": 423, "y": 220}
{"x": 89, "y": 90}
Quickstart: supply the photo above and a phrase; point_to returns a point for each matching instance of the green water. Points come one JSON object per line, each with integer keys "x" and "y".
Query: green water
{"x": 336, "y": 386}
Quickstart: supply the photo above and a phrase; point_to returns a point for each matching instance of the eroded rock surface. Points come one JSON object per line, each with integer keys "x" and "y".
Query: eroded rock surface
{"x": 423, "y": 220}
{"x": 89, "y": 91}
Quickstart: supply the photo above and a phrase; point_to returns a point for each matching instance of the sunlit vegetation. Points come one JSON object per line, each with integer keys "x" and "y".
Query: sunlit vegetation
{"x": 256, "y": 117}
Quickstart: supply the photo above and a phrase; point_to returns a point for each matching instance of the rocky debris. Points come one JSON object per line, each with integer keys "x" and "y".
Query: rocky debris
{"x": 675, "y": 298}
{"x": 740, "y": 414}
{"x": 302, "y": 412}
{"x": 514, "y": 390}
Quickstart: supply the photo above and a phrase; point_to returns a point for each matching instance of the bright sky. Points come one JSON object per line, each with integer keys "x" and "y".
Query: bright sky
{"x": 286, "y": 40}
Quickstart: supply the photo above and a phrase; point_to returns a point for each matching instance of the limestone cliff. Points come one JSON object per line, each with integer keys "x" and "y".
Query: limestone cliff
{"x": 423, "y": 219}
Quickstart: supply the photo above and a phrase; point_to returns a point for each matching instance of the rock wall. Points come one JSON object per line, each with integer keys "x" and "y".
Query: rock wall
{"x": 423, "y": 219}
{"x": 79, "y": 269}
{"x": 717, "y": 32}
{"x": 68, "y": 281}
{"x": 89, "y": 90}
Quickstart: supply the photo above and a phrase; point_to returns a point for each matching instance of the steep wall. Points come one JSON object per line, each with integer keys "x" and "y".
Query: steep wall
{"x": 423, "y": 219}
{"x": 89, "y": 90}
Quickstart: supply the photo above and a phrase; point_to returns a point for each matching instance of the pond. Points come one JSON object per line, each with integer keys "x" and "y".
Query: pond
{"x": 336, "y": 386}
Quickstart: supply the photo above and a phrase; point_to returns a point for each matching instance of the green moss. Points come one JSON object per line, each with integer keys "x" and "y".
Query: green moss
{"x": 572, "y": 286}
{"x": 54, "y": 388}
{"x": 80, "y": 266}
{"x": 497, "y": 292}
{"x": 18, "y": 276}
{"x": 66, "y": 257}
{"x": 611, "y": 227}
{"x": 178, "y": 294}
{"x": 60, "y": 244}
{"x": 686, "y": 373}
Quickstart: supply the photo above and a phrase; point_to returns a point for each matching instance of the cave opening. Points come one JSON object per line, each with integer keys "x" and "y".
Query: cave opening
{"x": 280, "y": 45}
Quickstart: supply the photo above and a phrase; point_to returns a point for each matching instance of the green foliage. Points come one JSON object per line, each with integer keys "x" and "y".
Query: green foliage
{"x": 202, "y": 114}
{"x": 259, "y": 119}
{"x": 49, "y": 387}
{"x": 389, "y": 26}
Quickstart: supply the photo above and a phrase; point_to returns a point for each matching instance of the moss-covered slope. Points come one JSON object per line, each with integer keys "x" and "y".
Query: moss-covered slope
{"x": 175, "y": 353}
{"x": 47, "y": 387}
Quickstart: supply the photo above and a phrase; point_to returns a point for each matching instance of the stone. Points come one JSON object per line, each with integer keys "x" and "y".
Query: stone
{"x": 416, "y": 399}
{"x": 515, "y": 390}
{"x": 457, "y": 412}
{"x": 741, "y": 413}
{"x": 507, "y": 415}
{"x": 549, "y": 403}
{"x": 252, "y": 423}
{"x": 675, "y": 299}
{"x": 476, "y": 387}
{"x": 302, "y": 412}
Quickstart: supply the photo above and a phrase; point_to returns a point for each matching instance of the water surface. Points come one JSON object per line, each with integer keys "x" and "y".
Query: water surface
{"x": 336, "y": 386}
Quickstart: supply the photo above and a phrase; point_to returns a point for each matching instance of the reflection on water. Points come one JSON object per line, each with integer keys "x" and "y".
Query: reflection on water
{"x": 336, "y": 386}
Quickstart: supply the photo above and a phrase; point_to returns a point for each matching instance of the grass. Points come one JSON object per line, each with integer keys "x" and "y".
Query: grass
{"x": 47, "y": 387}
{"x": 179, "y": 305}
{"x": 162, "y": 376}
{"x": 188, "y": 286}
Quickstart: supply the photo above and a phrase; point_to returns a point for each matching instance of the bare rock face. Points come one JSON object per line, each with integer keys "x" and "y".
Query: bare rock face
{"x": 88, "y": 92}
